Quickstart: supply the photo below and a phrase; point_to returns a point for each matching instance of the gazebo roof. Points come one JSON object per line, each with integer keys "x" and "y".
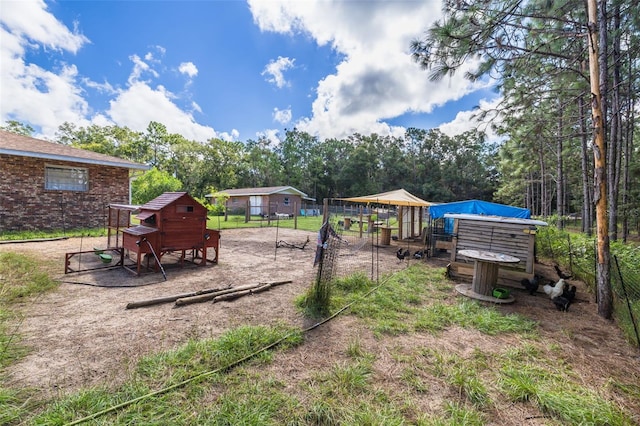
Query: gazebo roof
{"x": 399, "y": 197}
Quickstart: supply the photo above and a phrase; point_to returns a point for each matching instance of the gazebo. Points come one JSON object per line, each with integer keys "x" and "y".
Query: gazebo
{"x": 410, "y": 209}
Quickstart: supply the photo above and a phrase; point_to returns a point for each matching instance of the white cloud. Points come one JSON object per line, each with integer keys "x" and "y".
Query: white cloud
{"x": 228, "y": 136}
{"x": 377, "y": 78}
{"x": 188, "y": 68}
{"x": 272, "y": 135}
{"x": 469, "y": 120}
{"x": 30, "y": 20}
{"x": 196, "y": 107}
{"x": 275, "y": 69}
{"x": 31, "y": 94}
{"x": 151, "y": 57}
{"x": 139, "y": 68}
{"x": 104, "y": 87}
{"x": 139, "y": 104}
{"x": 282, "y": 116}
{"x": 47, "y": 98}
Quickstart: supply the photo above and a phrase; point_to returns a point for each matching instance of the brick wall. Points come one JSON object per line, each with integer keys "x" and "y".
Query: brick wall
{"x": 26, "y": 205}
{"x": 277, "y": 202}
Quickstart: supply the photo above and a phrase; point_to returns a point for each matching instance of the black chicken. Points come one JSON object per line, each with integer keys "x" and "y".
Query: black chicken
{"x": 561, "y": 274}
{"x": 402, "y": 255}
{"x": 531, "y": 284}
{"x": 569, "y": 293}
{"x": 562, "y": 303}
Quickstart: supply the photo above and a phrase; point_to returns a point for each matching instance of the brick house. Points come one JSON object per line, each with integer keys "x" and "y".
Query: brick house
{"x": 48, "y": 186}
{"x": 265, "y": 201}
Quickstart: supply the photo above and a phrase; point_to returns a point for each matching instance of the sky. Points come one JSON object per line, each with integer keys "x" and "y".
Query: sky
{"x": 234, "y": 70}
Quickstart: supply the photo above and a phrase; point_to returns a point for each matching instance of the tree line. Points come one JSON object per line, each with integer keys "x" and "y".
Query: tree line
{"x": 427, "y": 163}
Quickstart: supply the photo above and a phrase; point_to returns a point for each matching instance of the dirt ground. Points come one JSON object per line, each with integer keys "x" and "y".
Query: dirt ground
{"x": 82, "y": 334}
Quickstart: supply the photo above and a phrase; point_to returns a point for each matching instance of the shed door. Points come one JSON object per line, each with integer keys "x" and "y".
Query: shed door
{"x": 255, "y": 202}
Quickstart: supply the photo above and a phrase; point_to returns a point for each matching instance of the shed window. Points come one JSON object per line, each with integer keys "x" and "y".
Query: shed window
{"x": 286, "y": 201}
{"x": 184, "y": 209}
{"x": 63, "y": 178}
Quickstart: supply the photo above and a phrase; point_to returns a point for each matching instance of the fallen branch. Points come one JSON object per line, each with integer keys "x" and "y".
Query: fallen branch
{"x": 216, "y": 297}
{"x": 231, "y": 296}
{"x": 283, "y": 243}
{"x": 168, "y": 299}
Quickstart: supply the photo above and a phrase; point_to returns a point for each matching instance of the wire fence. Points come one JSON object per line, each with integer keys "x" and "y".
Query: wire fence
{"x": 346, "y": 249}
{"x": 355, "y": 238}
{"x": 364, "y": 240}
{"x": 578, "y": 253}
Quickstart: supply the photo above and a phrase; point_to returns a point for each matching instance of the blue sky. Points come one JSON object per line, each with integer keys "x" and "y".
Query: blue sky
{"x": 235, "y": 70}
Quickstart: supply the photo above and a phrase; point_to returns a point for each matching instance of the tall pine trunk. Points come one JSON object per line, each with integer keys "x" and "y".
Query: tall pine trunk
{"x": 544, "y": 205}
{"x": 560, "y": 204}
{"x": 596, "y": 25}
{"x": 614, "y": 154}
{"x": 587, "y": 212}
{"x": 628, "y": 150}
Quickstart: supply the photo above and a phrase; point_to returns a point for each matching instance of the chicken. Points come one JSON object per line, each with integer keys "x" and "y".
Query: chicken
{"x": 447, "y": 271}
{"x": 555, "y": 290}
{"x": 402, "y": 255}
{"x": 561, "y": 274}
{"x": 562, "y": 303}
{"x": 418, "y": 255}
{"x": 569, "y": 293}
{"x": 531, "y": 284}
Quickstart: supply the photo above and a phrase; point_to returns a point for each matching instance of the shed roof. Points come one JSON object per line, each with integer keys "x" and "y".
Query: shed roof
{"x": 26, "y": 146}
{"x": 399, "y": 197}
{"x": 500, "y": 219}
{"x": 267, "y": 190}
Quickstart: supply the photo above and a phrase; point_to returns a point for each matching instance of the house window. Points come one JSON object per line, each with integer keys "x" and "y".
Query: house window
{"x": 63, "y": 178}
{"x": 286, "y": 201}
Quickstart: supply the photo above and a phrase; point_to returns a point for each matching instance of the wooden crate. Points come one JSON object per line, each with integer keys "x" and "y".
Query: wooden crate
{"x": 511, "y": 236}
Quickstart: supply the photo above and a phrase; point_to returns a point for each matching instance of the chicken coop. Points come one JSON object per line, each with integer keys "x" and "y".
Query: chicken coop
{"x": 173, "y": 223}
{"x": 507, "y": 235}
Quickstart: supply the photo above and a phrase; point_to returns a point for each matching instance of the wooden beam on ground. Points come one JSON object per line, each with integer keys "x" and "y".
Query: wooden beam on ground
{"x": 217, "y": 296}
{"x": 168, "y": 299}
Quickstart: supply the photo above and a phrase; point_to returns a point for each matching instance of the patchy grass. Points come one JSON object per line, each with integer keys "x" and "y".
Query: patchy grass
{"x": 414, "y": 300}
{"x": 187, "y": 374}
{"x": 557, "y": 393}
{"x": 306, "y": 223}
{"x": 21, "y": 277}
{"x": 56, "y": 233}
{"x": 383, "y": 376}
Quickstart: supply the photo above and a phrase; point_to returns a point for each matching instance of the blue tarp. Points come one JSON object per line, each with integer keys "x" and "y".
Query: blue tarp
{"x": 478, "y": 207}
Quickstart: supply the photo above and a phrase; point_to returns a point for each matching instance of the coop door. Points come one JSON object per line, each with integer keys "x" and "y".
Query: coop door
{"x": 256, "y": 205}
{"x": 410, "y": 222}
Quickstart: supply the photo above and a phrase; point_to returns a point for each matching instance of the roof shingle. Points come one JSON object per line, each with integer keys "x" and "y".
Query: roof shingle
{"x": 25, "y": 146}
